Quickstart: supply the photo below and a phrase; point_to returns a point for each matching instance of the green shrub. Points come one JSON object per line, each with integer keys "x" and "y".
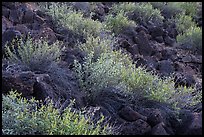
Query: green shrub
{"x": 123, "y": 6}
{"x": 158, "y": 5}
{"x": 184, "y": 22}
{"x": 24, "y": 117}
{"x": 190, "y": 8}
{"x": 97, "y": 45}
{"x": 114, "y": 68}
{"x": 74, "y": 20}
{"x": 145, "y": 11}
{"x": 191, "y": 39}
{"x": 118, "y": 22}
{"x": 36, "y": 55}
{"x": 174, "y": 8}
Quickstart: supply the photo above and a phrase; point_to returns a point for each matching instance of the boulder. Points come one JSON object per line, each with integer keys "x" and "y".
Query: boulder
{"x": 191, "y": 123}
{"x": 143, "y": 44}
{"x": 15, "y": 16}
{"x": 169, "y": 53}
{"x": 110, "y": 98}
{"x": 21, "y": 81}
{"x": 138, "y": 127}
{"x": 156, "y": 31}
{"x": 6, "y": 24}
{"x": 166, "y": 67}
{"x": 28, "y": 17}
{"x": 46, "y": 33}
{"x": 130, "y": 115}
{"x": 5, "y": 12}
{"x": 169, "y": 41}
{"x": 159, "y": 39}
{"x": 159, "y": 129}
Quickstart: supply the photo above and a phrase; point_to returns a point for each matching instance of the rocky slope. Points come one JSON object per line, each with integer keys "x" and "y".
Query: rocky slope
{"x": 151, "y": 46}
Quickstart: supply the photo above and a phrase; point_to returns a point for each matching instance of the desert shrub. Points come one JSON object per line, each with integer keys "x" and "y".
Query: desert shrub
{"x": 158, "y": 5}
{"x": 171, "y": 9}
{"x": 98, "y": 45}
{"x": 74, "y": 20}
{"x": 191, "y": 39}
{"x": 125, "y": 6}
{"x": 143, "y": 11}
{"x": 184, "y": 22}
{"x": 24, "y": 117}
{"x": 146, "y": 13}
{"x": 190, "y": 8}
{"x": 118, "y": 22}
{"x": 115, "y": 68}
{"x": 36, "y": 55}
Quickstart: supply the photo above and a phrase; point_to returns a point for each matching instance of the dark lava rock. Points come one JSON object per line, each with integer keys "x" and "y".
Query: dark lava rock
{"x": 166, "y": 67}
{"x": 184, "y": 80}
{"x": 21, "y": 81}
{"x": 143, "y": 44}
{"x": 168, "y": 53}
{"x": 191, "y": 123}
{"x": 130, "y": 115}
{"x": 159, "y": 129}
{"x": 111, "y": 99}
{"x": 159, "y": 39}
{"x": 138, "y": 127}
{"x": 169, "y": 41}
{"x": 156, "y": 31}
{"x": 28, "y": 17}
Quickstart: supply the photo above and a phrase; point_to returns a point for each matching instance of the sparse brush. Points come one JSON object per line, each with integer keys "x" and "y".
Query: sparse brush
{"x": 21, "y": 116}
{"x": 191, "y": 39}
{"x": 74, "y": 20}
{"x": 118, "y": 22}
{"x": 36, "y": 55}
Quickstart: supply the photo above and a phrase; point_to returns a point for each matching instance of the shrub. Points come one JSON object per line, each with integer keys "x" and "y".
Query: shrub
{"x": 36, "y": 55}
{"x": 184, "y": 22}
{"x": 98, "y": 45}
{"x": 24, "y": 117}
{"x": 171, "y": 9}
{"x": 145, "y": 11}
{"x": 116, "y": 69}
{"x": 125, "y": 6}
{"x": 158, "y": 5}
{"x": 118, "y": 22}
{"x": 190, "y": 8}
{"x": 74, "y": 20}
{"x": 191, "y": 39}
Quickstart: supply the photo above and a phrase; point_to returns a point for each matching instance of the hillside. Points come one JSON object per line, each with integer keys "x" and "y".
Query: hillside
{"x": 90, "y": 68}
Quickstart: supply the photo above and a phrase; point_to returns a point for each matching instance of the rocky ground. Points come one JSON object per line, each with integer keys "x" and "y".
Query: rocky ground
{"x": 151, "y": 46}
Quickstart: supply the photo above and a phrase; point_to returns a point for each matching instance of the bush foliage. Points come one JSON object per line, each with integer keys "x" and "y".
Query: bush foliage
{"x": 36, "y": 55}
{"x": 114, "y": 68}
{"x": 24, "y": 117}
{"x": 74, "y": 20}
